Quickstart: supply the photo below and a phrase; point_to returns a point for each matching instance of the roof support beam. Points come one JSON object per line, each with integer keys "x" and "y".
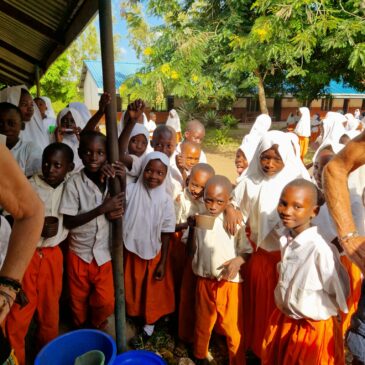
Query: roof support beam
{"x": 29, "y": 21}
{"x": 18, "y": 52}
{"x": 8, "y": 80}
{"x": 13, "y": 74}
{"x": 15, "y": 68}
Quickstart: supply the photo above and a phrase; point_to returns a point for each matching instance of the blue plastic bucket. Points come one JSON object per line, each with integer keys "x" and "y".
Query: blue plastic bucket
{"x": 65, "y": 349}
{"x": 139, "y": 357}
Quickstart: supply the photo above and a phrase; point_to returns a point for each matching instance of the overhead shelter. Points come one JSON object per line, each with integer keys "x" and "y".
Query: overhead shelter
{"x": 34, "y": 33}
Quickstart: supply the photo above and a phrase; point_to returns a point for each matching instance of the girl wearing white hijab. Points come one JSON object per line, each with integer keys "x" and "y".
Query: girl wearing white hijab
{"x": 303, "y": 130}
{"x": 69, "y": 126}
{"x": 272, "y": 167}
{"x": 173, "y": 121}
{"x": 259, "y": 128}
{"x": 83, "y": 111}
{"x": 357, "y": 114}
{"x": 50, "y": 121}
{"x": 34, "y": 130}
{"x": 148, "y": 220}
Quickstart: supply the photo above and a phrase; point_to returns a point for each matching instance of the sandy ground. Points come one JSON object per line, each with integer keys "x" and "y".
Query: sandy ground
{"x": 223, "y": 165}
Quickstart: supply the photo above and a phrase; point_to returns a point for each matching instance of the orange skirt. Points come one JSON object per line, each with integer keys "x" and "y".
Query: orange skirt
{"x": 303, "y": 143}
{"x": 176, "y": 261}
{"x": 145, "y": 296}
{"x": 302, "y": 342}
{"x": 261, "y": 278}
{"x": 355, "y": 291}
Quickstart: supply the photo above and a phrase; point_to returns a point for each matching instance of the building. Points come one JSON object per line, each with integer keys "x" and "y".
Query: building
{"x": 91, "y": 82}
{"x": 340, "y": 97}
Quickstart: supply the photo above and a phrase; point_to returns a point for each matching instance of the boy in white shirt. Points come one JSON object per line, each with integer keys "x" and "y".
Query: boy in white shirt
{"x": 217, "y": 261}
{"x": 42, "y": 282}
{"x": 151, "y": 124}
{"x": 312, "y": 287}
{"x": 86, "y": 207}
{"x": 27, "y": 154}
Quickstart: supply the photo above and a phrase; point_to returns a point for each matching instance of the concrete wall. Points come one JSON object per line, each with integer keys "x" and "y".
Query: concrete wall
{"x": 91, "y": 95}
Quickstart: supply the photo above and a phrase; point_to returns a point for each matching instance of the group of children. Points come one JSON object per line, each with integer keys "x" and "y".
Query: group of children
{"x": 267, "y": 273}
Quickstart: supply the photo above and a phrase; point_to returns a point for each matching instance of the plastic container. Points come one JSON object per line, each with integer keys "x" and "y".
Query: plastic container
{"x": 139, "y": 357}
{"x": 63, "y": 350}
{"x": 204, "y": 221}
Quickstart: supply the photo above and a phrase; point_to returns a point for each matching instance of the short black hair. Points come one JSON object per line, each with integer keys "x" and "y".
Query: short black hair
{"x": 220, "y": 180}
{"x": 5, "y": 106}
{"x": 318, "y": 197}
{"x": 86, "y": 135}
{"x": 163, "y": 129}
{"x": 59, "y": 146}
{"x": 203, "y": 167}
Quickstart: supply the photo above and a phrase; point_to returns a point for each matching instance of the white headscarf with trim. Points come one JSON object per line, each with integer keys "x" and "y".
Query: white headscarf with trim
{"x": 34, "y": 130}
{"x": 173, "y": 120}
{"x": 50, "y": 111}
{"x": 149, "y": 212}
{"x": 83, "y": 111}
{"x": 303, "y": 127}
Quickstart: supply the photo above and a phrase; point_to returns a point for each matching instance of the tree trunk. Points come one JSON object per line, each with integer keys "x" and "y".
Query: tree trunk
{"x": 261, "y": 93}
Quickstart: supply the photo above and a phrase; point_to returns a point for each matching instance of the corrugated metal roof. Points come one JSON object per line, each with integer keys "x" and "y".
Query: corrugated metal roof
{"x": 340, "y": 88}
{"x": 34, "y": 33}
{"x": 122, "y": 71}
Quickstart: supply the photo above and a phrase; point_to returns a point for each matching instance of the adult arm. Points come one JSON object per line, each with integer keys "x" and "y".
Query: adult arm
{"x": 338, "y": 196}
{"x": 19, "y": 199}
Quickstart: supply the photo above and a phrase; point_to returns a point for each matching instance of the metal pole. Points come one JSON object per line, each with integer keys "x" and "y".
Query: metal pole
{"x": 107, "y": 57}
{"x": 38, "y": 86}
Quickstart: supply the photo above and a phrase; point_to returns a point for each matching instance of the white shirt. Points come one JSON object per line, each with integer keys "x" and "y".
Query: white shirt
{"x": 151, "y": 126}
{"x": 135, "y": 171}
{"x": 5, "y": 232}
{"x": 312, "y": 281}
{"x": 90, "y": 240}
{"x": 29, "y": 157}
{"x": 186, "y": 206}
{"x": 51, "y": 199}
{"x": 215, "y": 247}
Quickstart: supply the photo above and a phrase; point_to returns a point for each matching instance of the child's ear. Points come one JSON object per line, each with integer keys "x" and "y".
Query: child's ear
{"x": 22, "y": 126}
{"x": 71, "y": 166}
{"x": 316, "y": 211}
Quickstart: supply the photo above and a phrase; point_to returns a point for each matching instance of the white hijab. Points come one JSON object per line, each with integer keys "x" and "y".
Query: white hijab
{"x": 250, "y": 141}
{"x": 140, "y": 129}
{"x": 70, "y": 139}
{"x": 173, "y": 120}
{"x": 352, "y": 122}
{"x": 357, "y": 114}
{"x": 263, "y": 191}
{"x": 303, "y": 128}
{"x": 333, "y": 130}
{"x": 34, "y": 130}
{"x": 83, "y": 112}
{"x": 148, "y": 213}
{"x": 295, "y": 142}
{"x": 120, "y": 125}
{"x": 49, "y": 112}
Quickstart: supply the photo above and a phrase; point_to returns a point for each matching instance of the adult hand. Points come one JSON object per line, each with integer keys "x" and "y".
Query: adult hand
{"x": 355, "y": 250}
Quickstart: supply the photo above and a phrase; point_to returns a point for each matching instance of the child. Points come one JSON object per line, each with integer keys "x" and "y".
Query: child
{"x": 151, "y": 124}
{"x": 217, "y": 261}
{"x": 312, "y": 288}
{"x": 194, "y": 132}
{"x": 272, "y": 167}
{"x": 149, "y": 220}
{"x": 173, "y": 121}
{"x": 86, "y": 206}
{"x": 42, "y": 282}
{"x": 241, "y": 163}
{"x": 189, "y": 157}
{"x": 303, "y": 130}
{"x": 27, "y": 154}
{"x": 189, "y": 203}
{"x": 34, "y": 130}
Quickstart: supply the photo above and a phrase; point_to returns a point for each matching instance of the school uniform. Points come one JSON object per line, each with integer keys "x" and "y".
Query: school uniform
{"x": 29, "y": 157}
{"x": 202, "y": 158}
{"x": 259, "y": 208}
{"x": 303, "y": 130}
{"x": 312, "y": 289}
{"x": 5, "y": 232}
{"x": 42, "y": 281}
{"x": 218, "y": 302}
{"x": 149, "y": 212}
{"x": 89, "y": 267}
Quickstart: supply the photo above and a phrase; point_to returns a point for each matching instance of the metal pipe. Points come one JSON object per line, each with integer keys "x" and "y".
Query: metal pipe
{"x": 38, "y": 86}
{"x": 107, "y": 57}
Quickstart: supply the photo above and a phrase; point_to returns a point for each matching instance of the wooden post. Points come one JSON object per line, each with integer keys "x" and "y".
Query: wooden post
{"x": 38, "y": 86}
{"x": 107, "y": 57}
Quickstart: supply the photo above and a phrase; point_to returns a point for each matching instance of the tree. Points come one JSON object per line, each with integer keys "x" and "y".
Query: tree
{"x": 211, "y": 50}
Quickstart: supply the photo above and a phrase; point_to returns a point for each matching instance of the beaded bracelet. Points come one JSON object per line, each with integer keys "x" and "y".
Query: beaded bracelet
{"x": 16, "y": 286}
{"x": 348, "y": 236}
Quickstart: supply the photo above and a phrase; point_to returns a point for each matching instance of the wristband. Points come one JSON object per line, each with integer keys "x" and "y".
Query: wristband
{"x": 348, "y": 236}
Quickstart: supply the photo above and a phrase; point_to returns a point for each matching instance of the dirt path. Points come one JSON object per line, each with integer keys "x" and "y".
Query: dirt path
{"x": 223, "y": 164}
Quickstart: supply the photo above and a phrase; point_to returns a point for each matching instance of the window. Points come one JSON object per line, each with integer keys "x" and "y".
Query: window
{"x": 253, "y": 105}
{"x": 326, "y": 104}
{"x": 363, "y": 104}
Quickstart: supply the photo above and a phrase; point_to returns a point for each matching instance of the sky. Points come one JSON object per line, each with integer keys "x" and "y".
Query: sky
{"x": 120, "y": 27}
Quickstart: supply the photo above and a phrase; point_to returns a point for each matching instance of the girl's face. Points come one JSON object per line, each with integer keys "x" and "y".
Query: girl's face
{"x": 26, "y": 106}
{"x": 137, "y": 145}
{"x": 240, "y": 162}
{"x": 154, "y": 174}
{"x": 271, "y": 162}
{"x": 68, "y": 122}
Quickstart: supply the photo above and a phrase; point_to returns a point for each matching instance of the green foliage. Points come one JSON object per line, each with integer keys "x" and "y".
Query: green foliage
{"x": 229, "y": 120}
{"x": 211, "y": 119}
{"x": 221, "y": 136}
{"x": 189, "y": 110}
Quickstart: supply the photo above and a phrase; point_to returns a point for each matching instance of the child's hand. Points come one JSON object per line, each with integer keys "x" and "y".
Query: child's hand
{"x": 58, "y": 134}
{"x": 232, "y": 218}
{"x": 105, "y": 99}
{"x": 112, "y": 170}
{"x": 50, "y": 227}
{"x": 160, "y": 271}
{"x": 230, "y": 268}
{"x": 180, "y": 162}
{"x": 77, "y": 131}
{"x": 136, "y": 109}
{"x": 113, "y": 204}
{"x": 115, "y": 214}
{"x": 191, "y": 221}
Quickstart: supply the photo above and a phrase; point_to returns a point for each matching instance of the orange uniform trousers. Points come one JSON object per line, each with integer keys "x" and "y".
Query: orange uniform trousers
{"x": 187, "y": 304}
{"x": 261, "y": 277}
{"x": 42, "y": 283}
{"x": 219, "y": 303}
{"x": 145, "y": 296}
{"x": 355, "y": 291}
{"x": 176, "y": 261}
{"x": 303, "y": 143}
{"x": 91, "y": 291}
{"x": 302, "y": 342}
